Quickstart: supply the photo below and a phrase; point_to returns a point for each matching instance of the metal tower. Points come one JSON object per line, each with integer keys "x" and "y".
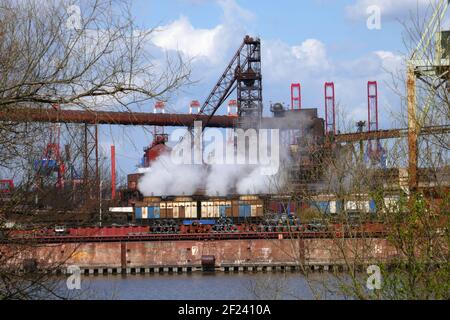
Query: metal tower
{"x": 159, "y": 107}
{"x": 375, "y": 152}
{"x": 330, "y": 113}
{"x": 296, "y": 105}
{"x": 244, "y": 74}
{"x": 372, "y": 105}
{"x": 159, "y": 136}
{"x": 296, "y": 96}
{"x": 91, "y": 175}
{"x": 51, "y": 161}
{"x": 194, "y": 107}
{"x": 232, "y": 108}
{"x": 249, "y": 79}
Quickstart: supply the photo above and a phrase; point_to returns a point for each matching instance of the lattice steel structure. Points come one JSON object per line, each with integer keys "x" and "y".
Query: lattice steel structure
{"x": 91, "y": 178}
{"x": 249, "y": 79}
{"x": 244, "y": 74}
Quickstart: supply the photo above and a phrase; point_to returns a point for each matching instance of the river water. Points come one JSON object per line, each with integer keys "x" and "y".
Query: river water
{"x": 204, "y": 286}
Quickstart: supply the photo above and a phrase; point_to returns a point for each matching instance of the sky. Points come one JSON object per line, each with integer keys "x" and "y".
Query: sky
{"x": 305, "y": 41}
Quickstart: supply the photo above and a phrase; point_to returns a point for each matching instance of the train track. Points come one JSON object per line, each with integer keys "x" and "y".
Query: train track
{"x": 192, "y": 237}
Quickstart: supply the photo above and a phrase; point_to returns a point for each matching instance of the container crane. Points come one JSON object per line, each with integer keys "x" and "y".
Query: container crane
{"x": 375, "y": 152}
{"x": 432, "y": 69}
{"x": 296, "y": 96}
{"x": 52, "y": 160}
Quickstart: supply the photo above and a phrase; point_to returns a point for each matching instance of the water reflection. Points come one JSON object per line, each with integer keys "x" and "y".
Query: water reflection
{"x": 204, "y": 286}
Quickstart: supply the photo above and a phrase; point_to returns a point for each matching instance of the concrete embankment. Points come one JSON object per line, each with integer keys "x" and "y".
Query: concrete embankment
{"x": 186, "y": 256}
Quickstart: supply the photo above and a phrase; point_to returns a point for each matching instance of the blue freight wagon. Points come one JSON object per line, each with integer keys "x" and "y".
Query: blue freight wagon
{"x": 202, "y": 222}
{"x": 245, "y": 210}
{"x": 138, "y": 213}
{"x": 223, "y": 210}
{"x": 372, "y": 206}
{"x": 156, "y": 212}
{"x": 322, "y": 206}
{"x": 147, "y": 213}
{"x": 328, "y": 207}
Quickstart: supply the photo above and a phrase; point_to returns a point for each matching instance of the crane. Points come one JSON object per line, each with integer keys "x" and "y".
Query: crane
{"x": 432, "y": 68}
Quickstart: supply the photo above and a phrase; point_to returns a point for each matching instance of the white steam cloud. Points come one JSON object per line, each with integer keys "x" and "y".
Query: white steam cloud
{"x": 241, "y": 175}
{"x": 166, "y": 178}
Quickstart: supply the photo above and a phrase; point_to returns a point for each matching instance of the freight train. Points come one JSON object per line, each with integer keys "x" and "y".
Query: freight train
{"x": 193, "y": 210}
{"x": 246, "y": 207}
{"x": 157, "y": 218}
{"x": 262, "y": 213}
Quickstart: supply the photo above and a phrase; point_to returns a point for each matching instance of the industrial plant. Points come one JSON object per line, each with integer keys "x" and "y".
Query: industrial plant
{"x": 310, "y": 144}
{"x": 328, "y": 183}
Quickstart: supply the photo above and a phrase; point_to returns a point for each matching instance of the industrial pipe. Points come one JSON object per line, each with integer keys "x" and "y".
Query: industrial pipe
{"x": 112, "y": 117}
{"x": 183, "y": 120}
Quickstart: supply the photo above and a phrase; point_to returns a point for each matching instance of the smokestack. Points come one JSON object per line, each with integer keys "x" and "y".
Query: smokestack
{"x": 113, "y": 172}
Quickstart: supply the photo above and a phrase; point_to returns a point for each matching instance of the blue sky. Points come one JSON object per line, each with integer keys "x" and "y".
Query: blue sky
{"x": 306, "y": 41}
{"x": 290, "y": 21}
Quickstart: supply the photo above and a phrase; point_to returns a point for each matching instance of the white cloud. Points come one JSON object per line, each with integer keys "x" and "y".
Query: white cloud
{"x": 351, "y": 79}
{"x": 376, "y": 63}
{"x": 361, "y": 67}
{"x": 209, "y": 49}
{"x": 312, "y": 65}
{"x": 390, "y": 9}
{"x": 390, "y": 61}
{"x": 212, "y": 44}
{"x": 181, "y": 35}
{"x": 311, "y": 52}
{"x": 307, "y": 62}
{"x": 282, "y": 62}
{"x": 233, "y": 12}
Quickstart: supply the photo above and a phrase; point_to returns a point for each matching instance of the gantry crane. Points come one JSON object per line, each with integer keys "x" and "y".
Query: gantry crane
{"x": 51, "y": 161}
{"x": 432, "y": 67}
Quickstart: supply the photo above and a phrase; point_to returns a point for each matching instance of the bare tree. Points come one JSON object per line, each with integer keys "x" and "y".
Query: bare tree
{"x": 57, "y": 54}
{"x": 413, "y": 252}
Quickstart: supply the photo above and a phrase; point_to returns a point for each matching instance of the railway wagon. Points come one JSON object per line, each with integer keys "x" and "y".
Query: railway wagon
{"x": 243, "y": 207}
{"x": 285, "y": 206}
